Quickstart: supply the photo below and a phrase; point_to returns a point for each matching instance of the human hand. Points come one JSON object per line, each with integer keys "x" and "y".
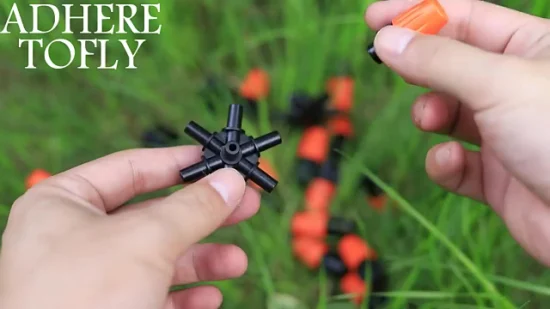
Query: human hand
{"x": 68, "y": 243}
{"x": 489, "y": 71}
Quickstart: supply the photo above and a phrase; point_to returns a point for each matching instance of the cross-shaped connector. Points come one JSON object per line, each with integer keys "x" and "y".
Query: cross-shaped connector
{"x": 231, "y": 148}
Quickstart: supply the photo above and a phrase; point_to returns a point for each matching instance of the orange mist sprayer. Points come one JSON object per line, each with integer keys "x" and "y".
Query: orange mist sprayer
{"x": 427, "y": 17}
{"x": 352, "y": 284}
{"x": 309, "y": 251}
{"x": 255, "y": 85}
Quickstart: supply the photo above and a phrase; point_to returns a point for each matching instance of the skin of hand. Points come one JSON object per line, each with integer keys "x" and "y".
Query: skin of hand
{"x": 489, "y": 72}
{"x": 69, "y": 243}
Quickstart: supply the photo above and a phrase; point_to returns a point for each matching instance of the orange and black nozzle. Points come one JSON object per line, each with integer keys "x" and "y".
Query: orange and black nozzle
{"x": 307, "y": 111}
{"x": 341, "y": 125}
{"x": 352, "y": 284}
{"x": 375, "y": 196}
{"x": 379, "y": 281}
{"x": 353, "y": 251}
{"x": 309, "y": 251}
{"x": 319, "y": 224}
{"x": 319, "y": 194}
{"x": 427, "y": 17}
{"x": 35, "y": 177}
{"x": 322, "y": 188}
{"x": 255, "y": 85}
{"x": 312, "y": 152}
{"x": 341, "y": 90}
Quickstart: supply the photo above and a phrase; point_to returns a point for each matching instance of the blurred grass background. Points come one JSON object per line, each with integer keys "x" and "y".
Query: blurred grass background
{"x": 440, "y": 250}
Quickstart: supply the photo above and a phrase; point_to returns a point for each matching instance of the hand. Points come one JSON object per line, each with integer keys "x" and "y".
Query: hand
{"x": 68, "y": 243}
{"x": 489, "y": 71}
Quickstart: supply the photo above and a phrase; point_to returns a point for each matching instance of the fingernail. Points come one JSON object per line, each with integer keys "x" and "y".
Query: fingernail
{"x": 443, "y": 155}
{"x": 229, "y": 184}
{"x": 393, "y": 40}
{"x": 419, "y": 112}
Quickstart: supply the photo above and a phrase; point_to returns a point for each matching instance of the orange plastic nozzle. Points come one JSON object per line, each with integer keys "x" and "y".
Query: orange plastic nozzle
{"x": 377, "y": 202}
{"x": 255, "y": 85}
{"x": 341, "y": 125}
{"x": 351, "y": 283}
{"x": 427, "y": 17}
{"x": 309, "y": 251}
{"x": 314, "y": 144}
{"x": 319, "y": 194}
{"x": 341, "y": 90}
{"x": 353, "y": 250}
{"x": 266, "y": 167}
{"x": 35, "y": 177}
{"x": 310, "y": 224}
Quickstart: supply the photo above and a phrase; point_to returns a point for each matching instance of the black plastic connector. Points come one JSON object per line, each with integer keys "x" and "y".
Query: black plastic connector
{"x": 330, "y": 169}
{"x": 307, "y": 111}
{"x": 231, "y": 148}
{"x": 339, "y": 226}
{"x": 333, "y": 265}
{"x": 306, "y": 171}
{"x": 379, "y": 281}
{"x": 372, "y": 53}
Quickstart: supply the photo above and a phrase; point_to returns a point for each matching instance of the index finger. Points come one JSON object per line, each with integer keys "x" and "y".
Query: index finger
{"x": 478, "y": 23}
{"x": 110, "y": 181}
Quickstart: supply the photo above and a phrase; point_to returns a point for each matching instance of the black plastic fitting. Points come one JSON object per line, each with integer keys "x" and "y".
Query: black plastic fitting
{"x": 231, "y": 148}
{"x": 339, "y": 226}
{"x": 372, "y": 53}
{"x": 333, "y": 265}
{"x": 379, "y": 281}
{"x": 307, "y": 111}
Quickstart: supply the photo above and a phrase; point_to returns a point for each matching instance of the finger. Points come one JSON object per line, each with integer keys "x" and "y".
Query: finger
{"x": 456, "y": 169}
{"x": 479, "y": 23}
{"x": 439, "y": 113}
{"x": 190, "y": 214}
{"x": 210, "y": 262}
{"x": 248, "y": 207}
{"x": 477, "y": 78}
{"x": 201, "y": 297}
{"x": 110, "y": 181}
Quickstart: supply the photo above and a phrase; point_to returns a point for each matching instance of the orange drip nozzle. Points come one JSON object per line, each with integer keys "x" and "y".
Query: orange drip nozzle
{"x": 427, "y": 17}
{"x": 319, "y": 194}
{"x": 353, "y": 284}
{"x": 311, "y": 224}
{"x": 341, "y": 125}
{"x": 353, "y": 250}
{"x": 309, "y": 251}
{"x": 255, "y": 86}
{"x": 341, "y": 91}
{"x": 314, "y": 144}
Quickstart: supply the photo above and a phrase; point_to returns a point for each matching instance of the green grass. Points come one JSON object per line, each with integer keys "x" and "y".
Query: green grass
{"x": 441, "y": 251}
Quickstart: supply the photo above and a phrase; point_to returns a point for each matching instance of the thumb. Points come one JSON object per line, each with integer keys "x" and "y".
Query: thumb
{"x": 192, "y": 213}
{"x": 480, "y": 79}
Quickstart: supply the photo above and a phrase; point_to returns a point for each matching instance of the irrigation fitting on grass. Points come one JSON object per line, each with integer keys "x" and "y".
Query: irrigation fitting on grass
{"x": 231, "y": 148}
{"x": 312, "y": 152}
{"x": 427, "y": 17}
